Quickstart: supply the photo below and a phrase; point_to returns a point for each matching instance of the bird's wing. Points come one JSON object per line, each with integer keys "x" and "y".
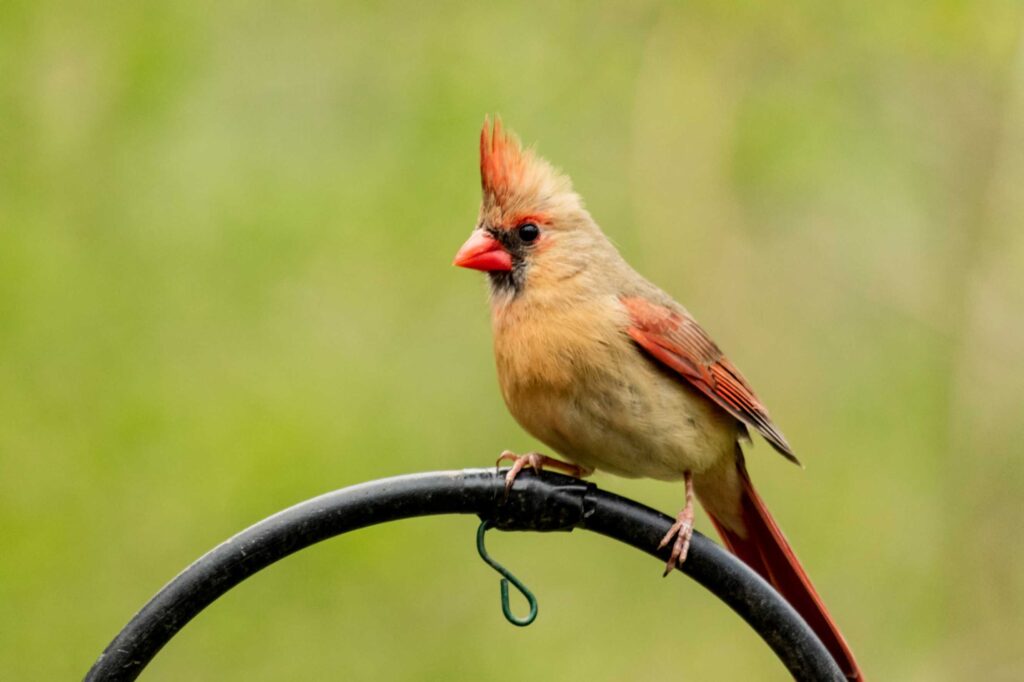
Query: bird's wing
{"x": 677, "y": 341}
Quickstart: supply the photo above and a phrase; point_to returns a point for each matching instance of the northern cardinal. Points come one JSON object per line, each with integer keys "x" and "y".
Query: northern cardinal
{"x": 613, "y": 374}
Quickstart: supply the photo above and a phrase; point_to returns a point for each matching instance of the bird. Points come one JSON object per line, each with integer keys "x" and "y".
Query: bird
{"x": 614, "y": 375}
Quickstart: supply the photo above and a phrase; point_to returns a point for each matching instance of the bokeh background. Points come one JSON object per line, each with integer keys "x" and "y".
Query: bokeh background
{"x": 226, "y": 232}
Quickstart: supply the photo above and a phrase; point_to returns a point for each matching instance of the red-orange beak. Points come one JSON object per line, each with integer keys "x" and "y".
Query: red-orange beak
{"x": 483, "y": 252}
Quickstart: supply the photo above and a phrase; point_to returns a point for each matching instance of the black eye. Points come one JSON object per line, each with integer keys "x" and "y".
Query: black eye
{"x": 528, "y": 232}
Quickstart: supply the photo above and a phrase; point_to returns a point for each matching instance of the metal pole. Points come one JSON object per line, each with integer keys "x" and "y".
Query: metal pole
{"x": 544, "y": 502}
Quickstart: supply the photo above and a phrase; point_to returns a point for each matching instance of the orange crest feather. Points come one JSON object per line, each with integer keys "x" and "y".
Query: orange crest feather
{"x": 503, "y": 163}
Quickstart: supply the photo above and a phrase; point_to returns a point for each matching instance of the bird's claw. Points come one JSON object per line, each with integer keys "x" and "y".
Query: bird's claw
{"x": 537, "y": 462}
{"x": 681, "y": 531}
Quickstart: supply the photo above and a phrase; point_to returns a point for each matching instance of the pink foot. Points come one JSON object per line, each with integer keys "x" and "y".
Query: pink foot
{"x": 537, "y": 462}
{"x": 681, "y": 531}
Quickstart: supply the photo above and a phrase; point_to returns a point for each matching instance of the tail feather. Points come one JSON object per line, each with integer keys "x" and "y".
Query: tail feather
{"x": 766, "y": 551}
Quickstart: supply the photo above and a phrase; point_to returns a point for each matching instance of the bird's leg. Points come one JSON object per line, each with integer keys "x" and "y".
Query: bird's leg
{"x": 537, "y": 462}
{"x": 681, "y": 530}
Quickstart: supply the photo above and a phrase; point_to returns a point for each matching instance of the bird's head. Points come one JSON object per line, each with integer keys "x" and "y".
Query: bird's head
{"x": 532, "y": 230}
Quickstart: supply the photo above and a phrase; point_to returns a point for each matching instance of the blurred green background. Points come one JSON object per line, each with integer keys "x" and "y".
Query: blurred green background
{"x": 226, "y": 232}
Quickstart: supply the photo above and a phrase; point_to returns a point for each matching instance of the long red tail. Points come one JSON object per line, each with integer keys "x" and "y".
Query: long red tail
{"x": 766, "y": 551}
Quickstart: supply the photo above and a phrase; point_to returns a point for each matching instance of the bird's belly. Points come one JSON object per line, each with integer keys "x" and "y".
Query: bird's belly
{"x": 641, "y": 423}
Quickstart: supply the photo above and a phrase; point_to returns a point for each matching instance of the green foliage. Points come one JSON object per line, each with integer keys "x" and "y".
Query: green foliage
{"x": 225, "y": 238}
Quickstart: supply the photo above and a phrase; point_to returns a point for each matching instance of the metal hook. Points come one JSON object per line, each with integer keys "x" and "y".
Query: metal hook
{"x": 505, "y": 580}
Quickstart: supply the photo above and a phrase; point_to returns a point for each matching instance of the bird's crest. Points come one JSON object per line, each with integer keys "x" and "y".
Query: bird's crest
{"x": 503, "y": 162}
{"x": 510, "y": 174}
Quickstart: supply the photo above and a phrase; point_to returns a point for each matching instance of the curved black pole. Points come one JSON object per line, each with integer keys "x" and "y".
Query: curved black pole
{"x": 542, "y": 502}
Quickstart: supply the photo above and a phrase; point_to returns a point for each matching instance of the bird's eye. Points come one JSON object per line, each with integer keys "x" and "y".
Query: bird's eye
{"x": 528, "y": 232}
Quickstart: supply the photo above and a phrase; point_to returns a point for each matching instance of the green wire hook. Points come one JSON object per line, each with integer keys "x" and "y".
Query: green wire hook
{"x": 505, "y": 580}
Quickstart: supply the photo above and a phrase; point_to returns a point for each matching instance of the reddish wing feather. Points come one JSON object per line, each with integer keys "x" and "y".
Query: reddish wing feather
{"x": 676, "y": 340}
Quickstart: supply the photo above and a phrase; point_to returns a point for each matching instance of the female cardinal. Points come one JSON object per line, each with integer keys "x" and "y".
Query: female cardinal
{"x": 613, "y": 374}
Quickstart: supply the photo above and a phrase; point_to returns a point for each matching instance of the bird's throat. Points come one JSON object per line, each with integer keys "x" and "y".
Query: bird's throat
{"x": 507, "y": 284}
